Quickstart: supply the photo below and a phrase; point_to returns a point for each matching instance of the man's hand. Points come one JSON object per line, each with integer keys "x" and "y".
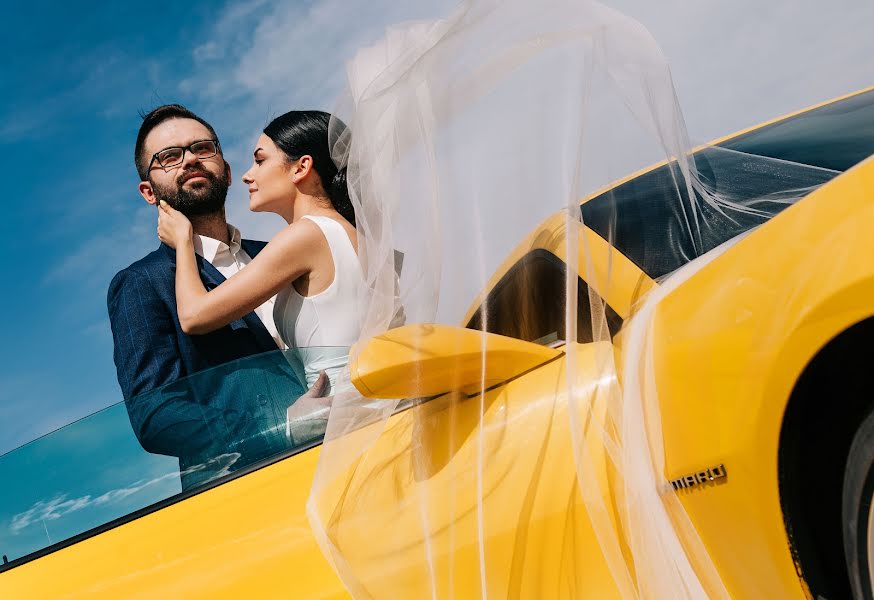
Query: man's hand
{"x": 318, "y": 389}
{"x": 311, "y": 406}
{"x": 399, "y": 318}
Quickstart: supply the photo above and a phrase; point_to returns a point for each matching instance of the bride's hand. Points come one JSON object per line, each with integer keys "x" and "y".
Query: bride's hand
{"x": 174, "y": 228}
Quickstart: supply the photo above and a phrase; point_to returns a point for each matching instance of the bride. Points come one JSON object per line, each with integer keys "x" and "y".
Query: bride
{"x": 311, "y": 265}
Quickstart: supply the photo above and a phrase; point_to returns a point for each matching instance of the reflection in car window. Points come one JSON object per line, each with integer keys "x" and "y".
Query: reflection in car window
{"x": 528, "y": 303}
{"x": 159, "y": 447}
{"x": 643, "y": 217}
{"x": 836, "y": 136}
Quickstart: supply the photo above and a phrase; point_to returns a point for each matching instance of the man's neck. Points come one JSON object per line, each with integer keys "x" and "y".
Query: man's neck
{"x": 212, "y": 226}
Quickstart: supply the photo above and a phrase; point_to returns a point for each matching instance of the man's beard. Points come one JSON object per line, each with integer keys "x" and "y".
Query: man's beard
{"x": 203, "y": 199}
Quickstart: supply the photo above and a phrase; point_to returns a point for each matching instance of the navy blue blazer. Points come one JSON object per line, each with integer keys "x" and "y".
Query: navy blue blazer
{"x": 180, "y": 400}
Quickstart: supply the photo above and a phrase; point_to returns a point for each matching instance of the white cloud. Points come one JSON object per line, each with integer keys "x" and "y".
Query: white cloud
{"x": 208, "y": 51}
{"x": 87, "y": 265}
{"x": 60, "y": 506}
{"x": 267, "y": 57}
{"x": 289, "y": 55}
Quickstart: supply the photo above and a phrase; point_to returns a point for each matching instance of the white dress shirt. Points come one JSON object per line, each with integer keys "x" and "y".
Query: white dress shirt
{"x": 230, "y": 259}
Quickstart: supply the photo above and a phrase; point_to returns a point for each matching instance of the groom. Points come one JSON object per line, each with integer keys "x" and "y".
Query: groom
{"x": 180, "y": 400}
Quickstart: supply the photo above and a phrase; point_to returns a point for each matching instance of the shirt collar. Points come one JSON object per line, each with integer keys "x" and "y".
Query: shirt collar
{"x": 209, "y": 248}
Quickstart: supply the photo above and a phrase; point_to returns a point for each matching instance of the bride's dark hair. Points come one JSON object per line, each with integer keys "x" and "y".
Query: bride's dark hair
{"x": 301, "y": 132}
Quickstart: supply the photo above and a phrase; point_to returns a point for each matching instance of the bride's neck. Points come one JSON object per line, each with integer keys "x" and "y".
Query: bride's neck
{"x": 307, "y": 205}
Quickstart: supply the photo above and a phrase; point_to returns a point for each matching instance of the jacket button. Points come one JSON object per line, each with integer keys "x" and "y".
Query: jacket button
{"x": 262, "y": 399}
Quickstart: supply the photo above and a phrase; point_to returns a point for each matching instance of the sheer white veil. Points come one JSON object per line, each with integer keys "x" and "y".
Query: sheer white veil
{"x": 460, "y": 136}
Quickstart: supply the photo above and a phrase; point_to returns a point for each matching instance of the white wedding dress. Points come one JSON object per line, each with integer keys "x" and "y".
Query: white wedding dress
{"x": 319, "y": 329}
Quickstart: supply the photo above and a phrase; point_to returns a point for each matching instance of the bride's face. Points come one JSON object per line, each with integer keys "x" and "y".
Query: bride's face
{"x": 271, "y": 188}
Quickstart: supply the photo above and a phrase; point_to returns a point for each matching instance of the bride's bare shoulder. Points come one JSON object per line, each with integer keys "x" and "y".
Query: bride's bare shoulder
{"x": 302, "y": 234}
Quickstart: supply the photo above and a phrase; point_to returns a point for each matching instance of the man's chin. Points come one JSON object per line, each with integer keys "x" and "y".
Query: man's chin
{"x": 196, "y": 198}
{"x": 201, "y": 211}
{"x": 197, "y": 183}
{"x": 195, "y": 207}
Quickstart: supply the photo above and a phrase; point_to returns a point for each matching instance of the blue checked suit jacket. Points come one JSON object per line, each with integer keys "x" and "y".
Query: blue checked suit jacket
{"x": 180, "y": 399}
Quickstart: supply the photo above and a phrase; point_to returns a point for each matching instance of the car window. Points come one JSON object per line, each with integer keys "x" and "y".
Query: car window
{"x": 644, "y": 218}
{"x": 836, "y": 136}
{"x": 528, "y": 303}
{"x": 155, "y": 449}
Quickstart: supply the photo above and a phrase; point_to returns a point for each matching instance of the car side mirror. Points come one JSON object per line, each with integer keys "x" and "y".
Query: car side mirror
{"x": 423, "y": 360}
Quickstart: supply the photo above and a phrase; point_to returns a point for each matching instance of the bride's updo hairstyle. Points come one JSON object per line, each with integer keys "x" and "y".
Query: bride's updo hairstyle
{"x": 301, "y": 132}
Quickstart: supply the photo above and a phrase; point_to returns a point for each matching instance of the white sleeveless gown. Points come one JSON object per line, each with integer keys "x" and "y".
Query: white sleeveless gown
{"x": 321, "y": 328}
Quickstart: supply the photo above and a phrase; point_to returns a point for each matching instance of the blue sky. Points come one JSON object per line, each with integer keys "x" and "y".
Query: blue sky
{"x": 74, "y": 78}
{"x": 76, "y": 82}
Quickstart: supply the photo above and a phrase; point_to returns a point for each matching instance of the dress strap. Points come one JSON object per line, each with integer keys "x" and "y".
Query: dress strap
{"x": 341, "y": 246}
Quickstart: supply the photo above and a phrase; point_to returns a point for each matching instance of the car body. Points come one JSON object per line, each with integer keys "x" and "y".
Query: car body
{"x": 760, "y": 376}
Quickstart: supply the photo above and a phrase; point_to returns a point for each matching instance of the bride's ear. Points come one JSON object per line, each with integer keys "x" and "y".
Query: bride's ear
{"x": 302, "y": 168}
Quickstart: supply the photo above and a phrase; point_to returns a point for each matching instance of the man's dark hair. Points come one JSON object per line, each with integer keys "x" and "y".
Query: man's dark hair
{"x": 151, "y": 120}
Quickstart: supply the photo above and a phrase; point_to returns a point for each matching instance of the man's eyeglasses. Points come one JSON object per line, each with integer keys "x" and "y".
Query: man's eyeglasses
{"x": 173, "y": 157}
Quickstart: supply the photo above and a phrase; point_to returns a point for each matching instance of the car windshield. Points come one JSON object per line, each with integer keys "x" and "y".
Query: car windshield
{"x": 157, "y": 448}
{"x": 642, "y": 216}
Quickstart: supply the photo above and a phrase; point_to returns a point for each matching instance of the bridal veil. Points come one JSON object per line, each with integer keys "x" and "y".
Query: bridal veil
{"x": 466, "y": 133}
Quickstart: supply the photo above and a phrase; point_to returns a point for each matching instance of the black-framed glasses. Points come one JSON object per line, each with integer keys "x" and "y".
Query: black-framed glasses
{"x": 173, "y": 156}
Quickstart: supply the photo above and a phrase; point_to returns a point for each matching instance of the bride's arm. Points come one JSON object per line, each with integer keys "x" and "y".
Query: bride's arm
{"x": 284, "y": 259}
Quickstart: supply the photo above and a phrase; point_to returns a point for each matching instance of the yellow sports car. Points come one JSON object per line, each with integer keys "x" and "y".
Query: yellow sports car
{"x": 765, "y": 403}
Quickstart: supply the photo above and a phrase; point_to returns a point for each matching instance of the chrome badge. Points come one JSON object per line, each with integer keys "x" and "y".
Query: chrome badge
{"x": 710, "y": 475}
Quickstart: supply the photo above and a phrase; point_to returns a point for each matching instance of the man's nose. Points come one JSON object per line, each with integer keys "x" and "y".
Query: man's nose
{"x": 189, "y": 159}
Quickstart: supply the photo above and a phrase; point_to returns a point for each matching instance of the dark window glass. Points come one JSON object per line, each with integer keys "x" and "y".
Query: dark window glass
{"x": 836, "y": 136}
{"x": 645, "y": 219}
{"x": 529, "y": 303}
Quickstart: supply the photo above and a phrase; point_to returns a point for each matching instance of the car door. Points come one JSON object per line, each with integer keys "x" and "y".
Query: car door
{"x": 472, "y": 489}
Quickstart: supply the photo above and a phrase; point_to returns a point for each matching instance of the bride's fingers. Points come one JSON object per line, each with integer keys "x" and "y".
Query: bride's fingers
{"x": 166, "y": 219}
{"x": 167, "y": 209}
{"x": 171, "y": 216}
{"x": 163, "y": 226}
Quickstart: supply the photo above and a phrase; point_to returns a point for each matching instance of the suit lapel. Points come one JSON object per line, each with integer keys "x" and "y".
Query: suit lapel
{"x": 252, "y": 247}
{"x": 260, "y": 332}
{"x": 212, "y": 278}
{"x": 209, "y": 274}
